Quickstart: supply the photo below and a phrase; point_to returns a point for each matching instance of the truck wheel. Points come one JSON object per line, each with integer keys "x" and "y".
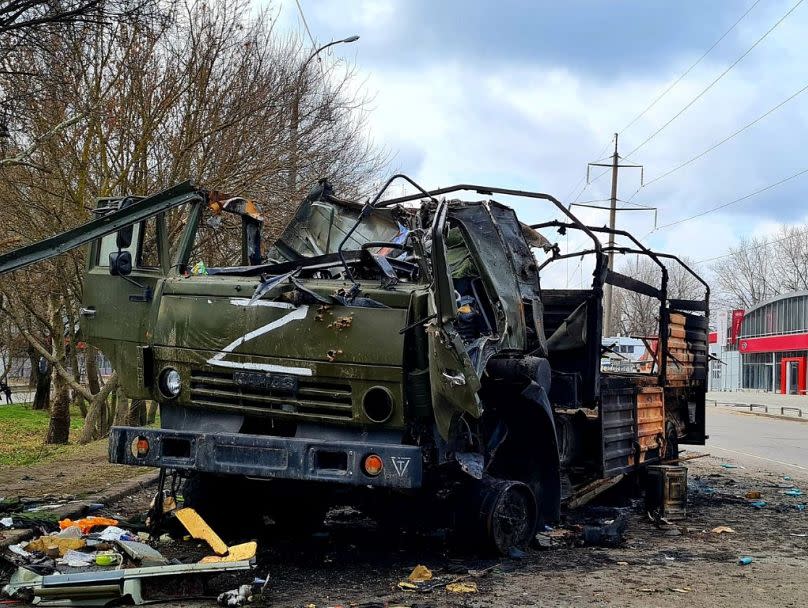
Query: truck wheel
{"x": 506, "y": 514}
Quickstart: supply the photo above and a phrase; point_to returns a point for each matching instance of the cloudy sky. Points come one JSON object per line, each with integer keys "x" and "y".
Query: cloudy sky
{"x": 523, "y": 94}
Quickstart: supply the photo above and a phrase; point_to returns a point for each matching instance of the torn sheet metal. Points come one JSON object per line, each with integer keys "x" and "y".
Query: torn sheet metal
{"x": 99, "y": 588}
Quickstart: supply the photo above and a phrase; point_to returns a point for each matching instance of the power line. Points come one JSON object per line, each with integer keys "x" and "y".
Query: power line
{"x": 720, "y": 143}
{"x": 305, "y": 23}
{"x": 729, "y": 137}
{"x": 688, "y": 70}
{"x": 733, "y": 202}
{"x": 715, "y": 81}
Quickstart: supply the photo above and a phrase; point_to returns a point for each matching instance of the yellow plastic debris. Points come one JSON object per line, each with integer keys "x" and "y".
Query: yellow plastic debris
{"x": 470, "y": 587}
{"x": 62, "y": 544}
{"x": 723, "y": 530}
{"x": 236, "y": 553}
{"x": 194, "y": 523}
{"x": 420, "y": 574}
{"x": 407, "y": 586}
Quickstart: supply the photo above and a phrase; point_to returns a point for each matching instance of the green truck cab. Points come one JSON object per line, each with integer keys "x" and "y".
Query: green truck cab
{"x": 397, "y": 352}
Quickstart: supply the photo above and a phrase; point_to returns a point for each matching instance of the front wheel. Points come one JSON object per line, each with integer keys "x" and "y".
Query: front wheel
{"x": 504, "y": 514}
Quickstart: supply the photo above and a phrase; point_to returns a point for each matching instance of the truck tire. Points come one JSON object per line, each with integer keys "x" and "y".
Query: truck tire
{"x": 502, "y": 514}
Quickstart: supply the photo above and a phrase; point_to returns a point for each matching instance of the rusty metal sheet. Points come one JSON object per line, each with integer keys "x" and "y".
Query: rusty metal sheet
{"x": 650, "y": 419}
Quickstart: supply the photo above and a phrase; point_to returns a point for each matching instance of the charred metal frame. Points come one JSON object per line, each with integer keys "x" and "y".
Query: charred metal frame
{"x": 626, "y": 282}
{"x": 102, "y": 226}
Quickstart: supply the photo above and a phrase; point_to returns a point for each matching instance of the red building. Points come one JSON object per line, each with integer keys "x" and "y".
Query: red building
{"x": 773, "y": 342}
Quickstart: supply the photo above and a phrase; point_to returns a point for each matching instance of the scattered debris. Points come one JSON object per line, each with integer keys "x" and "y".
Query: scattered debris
{"x": 592, "y": 490}
{"x": 723, "y": 530}
{"x": 235, "y": 597}
{"x": 86, "y": 524}
{"x": 200, "y": 530}
{"x": 728, "y": 465}
{"x": 758, "y": 504}
{"x": 142, "y": 553}
{"x": 745, "y": 560}
{"x": 107, "y": 559}
{"x": 752, "y": 495}
{"x": 420, "y": 574}
{"x": 462, "y": 587}
{"x": 57, "y": 544}
{"x": 235, "y": 553}
{"x": 608, "y": 534}
{"x": 114, "y": 533}
{"x": 793, "y": 492}
{"x": 77, "y": 559}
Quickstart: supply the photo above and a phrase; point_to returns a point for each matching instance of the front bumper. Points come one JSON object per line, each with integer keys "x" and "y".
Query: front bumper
{"x": 269, "y": 457}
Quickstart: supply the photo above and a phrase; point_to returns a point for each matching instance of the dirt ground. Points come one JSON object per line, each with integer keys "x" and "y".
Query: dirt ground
{"x": 78, "y": 473}
{"x": 350, "y": 564}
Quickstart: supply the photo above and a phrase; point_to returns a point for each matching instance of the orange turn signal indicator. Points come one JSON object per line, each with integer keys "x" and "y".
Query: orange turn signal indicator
{"x": 373, "y": 464}
{"x": 142, "y": 447}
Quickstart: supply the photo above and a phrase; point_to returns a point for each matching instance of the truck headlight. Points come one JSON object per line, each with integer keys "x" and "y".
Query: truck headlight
{"x": 170, "y": 382}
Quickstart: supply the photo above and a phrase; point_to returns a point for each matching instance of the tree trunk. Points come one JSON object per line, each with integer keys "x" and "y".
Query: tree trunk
{"x": 59, "y": 427}
{"x": 91, "y": 362}
{"x": 137, "y": 413}
{"x": 33, "y": 374}
{"x": 95, "y": 422}
{"x": 73, "y": 358}
{"x": 43, "y": 386}
{"x": 151, "y": 412}
{"x": 121, "y": 410}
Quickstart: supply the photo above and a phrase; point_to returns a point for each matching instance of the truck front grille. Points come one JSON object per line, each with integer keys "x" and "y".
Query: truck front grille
{"x": 314, "y": 399}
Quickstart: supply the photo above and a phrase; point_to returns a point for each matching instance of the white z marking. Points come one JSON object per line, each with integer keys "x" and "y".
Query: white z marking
{"x": 296, "y": 314}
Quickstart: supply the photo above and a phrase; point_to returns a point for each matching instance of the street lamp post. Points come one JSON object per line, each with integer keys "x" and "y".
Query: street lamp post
{"x": 295, "y": 118}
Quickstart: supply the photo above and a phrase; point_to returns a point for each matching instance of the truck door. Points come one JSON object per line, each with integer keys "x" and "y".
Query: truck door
{"x": 452, "y": 375}
{"x": 116, "y": 309}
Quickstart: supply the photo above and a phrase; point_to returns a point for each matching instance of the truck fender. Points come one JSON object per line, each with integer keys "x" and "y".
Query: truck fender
{"x": 547, "y": 446}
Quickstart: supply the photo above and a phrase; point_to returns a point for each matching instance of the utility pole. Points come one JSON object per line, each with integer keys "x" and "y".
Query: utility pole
{"x": 615, "y": 165}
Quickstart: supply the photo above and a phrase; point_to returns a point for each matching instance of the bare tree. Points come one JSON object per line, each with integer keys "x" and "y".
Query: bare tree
{"x": 760, "y": 268}
{"x": 204, "y": 96}
{"x": 637, "y": 314}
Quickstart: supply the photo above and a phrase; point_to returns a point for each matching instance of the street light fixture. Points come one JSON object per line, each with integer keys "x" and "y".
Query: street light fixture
{"x": 295, "y": 118}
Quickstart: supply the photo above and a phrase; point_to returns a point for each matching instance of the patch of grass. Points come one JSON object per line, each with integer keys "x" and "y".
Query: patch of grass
{"x": 22, "y": 435}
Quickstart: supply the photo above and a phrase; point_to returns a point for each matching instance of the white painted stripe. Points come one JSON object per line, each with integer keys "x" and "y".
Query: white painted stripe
{"x": 295, "y": 315}
{"x": 264, "y": 367}
{"x": 246, "y": 302}
{"x": 712, "y": 446}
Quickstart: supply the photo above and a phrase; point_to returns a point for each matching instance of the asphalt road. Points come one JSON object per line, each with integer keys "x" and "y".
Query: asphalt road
{"x": 757, "y": 441}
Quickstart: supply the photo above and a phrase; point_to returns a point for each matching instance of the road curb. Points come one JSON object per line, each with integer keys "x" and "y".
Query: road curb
{"x": 78, "y": 509}
{"x": 736, "y": 410}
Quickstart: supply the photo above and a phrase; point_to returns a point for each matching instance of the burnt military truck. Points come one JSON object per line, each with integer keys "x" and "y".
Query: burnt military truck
{"x": 396, "y": 352}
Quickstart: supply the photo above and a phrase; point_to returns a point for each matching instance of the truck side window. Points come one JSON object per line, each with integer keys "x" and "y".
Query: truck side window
{"x": 149, "y": 252}
{"x": 218, "y": 241}
{"x": 107, "y": 246}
